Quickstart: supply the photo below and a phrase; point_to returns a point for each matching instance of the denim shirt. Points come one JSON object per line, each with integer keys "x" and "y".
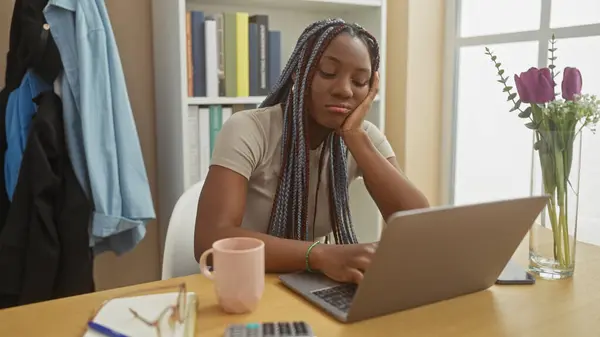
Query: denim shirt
{"x": 102, "y": 138}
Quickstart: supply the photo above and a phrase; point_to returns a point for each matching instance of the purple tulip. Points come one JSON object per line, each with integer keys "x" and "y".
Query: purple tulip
{"x": 535, "y": 86}
{"x": 571, "y": 84}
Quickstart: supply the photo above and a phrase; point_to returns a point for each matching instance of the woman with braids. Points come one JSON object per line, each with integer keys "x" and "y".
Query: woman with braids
{"x": 280, "y": 173}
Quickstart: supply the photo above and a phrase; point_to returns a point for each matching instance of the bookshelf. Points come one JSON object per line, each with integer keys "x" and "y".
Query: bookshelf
{"x": 177, "y": 134}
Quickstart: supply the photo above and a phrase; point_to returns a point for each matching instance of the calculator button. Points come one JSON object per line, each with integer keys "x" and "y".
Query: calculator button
{"x": 285, "y": 329}
{"x": 252, "y": 326}
{"x": 268, "y": 329}
{"x": 300, "y": 328}
{"x": 236, "y": 331}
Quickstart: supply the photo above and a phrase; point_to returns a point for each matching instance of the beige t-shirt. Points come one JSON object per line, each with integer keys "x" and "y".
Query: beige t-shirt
{"x": 249, "y": 143}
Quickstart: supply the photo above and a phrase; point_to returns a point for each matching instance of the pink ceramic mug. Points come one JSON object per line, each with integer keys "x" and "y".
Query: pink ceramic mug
{"x": 238, "y": 272}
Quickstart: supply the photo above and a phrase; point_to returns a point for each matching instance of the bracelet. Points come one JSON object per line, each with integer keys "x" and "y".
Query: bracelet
{"x": 308, "y": 253}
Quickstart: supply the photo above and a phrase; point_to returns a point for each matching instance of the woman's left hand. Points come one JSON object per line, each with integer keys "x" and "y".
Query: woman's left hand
{"x": 354, "y": 121}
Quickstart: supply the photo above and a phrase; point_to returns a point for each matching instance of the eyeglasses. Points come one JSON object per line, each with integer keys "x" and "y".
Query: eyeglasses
{"x": 174, "y": 313}
{"x": 166, "y": 321}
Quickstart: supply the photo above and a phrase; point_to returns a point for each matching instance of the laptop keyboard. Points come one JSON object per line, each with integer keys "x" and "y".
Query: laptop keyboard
{"x": 339, "y": 296}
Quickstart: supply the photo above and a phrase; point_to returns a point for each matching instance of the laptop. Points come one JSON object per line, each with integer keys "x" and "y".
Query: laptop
{"x": 425, "y": 256}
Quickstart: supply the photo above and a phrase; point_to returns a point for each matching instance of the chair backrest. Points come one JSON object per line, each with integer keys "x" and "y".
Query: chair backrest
{"x": 178, "y": 256}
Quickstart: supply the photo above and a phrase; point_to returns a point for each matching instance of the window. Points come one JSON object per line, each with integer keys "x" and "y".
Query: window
{"x": 506, "y": 16}
{"x": 492, "y": 157}
{"x": 570, "y": 13}
{"x": 490, "y": 148}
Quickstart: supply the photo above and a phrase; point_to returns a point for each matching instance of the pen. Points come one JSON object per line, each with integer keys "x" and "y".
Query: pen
{"x": 104, "y": 330}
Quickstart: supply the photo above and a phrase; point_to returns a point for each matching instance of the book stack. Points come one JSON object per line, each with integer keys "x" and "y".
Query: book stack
{"x": 231, "y": 54}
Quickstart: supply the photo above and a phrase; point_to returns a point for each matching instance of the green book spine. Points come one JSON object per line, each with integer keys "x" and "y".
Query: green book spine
{"x": 230, "y": 40}
{"x": 216, "y": 121}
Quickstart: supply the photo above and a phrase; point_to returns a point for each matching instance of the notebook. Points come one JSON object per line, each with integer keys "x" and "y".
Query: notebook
{"x": 115, "y": 315}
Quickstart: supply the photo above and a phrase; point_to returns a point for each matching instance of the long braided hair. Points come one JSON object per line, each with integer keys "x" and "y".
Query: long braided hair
{"x": 289, "y": 213}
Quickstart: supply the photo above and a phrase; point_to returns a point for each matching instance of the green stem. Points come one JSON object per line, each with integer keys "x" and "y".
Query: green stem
{"x": 547, "y": 163}
{"x": 560, "y": 198}
{"x": 553, "y": 166}
{"x": 563, "y": 219}
{"x": 555, "y": 226}
{"x": 564, "y": 239}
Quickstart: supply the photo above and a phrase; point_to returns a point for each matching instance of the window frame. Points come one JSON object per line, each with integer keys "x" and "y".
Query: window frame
{"x": 452, "y": 45}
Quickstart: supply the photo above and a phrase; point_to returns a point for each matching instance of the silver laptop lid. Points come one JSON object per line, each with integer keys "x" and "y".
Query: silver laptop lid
{"x": 438, "y": 253}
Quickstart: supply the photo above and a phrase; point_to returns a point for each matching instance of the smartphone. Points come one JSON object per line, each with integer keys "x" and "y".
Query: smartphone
{"x": 515, "y": 274}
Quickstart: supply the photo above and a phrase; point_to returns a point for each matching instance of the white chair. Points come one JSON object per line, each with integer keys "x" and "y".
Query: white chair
{"x": 178, "y": 256}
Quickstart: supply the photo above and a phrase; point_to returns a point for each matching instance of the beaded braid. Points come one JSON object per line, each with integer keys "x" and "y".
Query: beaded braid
{"x": 289, "y": 218}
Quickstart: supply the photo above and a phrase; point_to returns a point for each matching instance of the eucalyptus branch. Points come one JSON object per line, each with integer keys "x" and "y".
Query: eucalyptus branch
{"x": 508, "y": 89}
{"x": 552, "y": 58}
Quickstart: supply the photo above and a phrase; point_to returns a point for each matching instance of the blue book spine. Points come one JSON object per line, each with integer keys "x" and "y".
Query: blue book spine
{"x": 262, "y": 22}
{"x": 274, "y": 57}
{"x": 198, "y": 55}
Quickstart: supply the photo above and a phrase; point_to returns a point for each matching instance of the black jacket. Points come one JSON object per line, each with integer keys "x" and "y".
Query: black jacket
{"x": 30, "y": 47}
{"x": 44, "y": 246}
{"x": 44, "y": 251}
{"x": 44, "y": 240}
{"x": 31, "y": 44}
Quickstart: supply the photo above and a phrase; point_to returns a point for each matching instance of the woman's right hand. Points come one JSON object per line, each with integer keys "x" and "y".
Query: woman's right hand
{"x": 342, "y": 263}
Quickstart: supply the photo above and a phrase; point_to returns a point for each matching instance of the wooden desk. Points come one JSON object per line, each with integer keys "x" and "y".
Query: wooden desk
{"x": 548, "y": 309}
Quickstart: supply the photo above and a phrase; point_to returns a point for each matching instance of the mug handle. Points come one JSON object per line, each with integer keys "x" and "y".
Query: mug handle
{"x": 203, "y": 267}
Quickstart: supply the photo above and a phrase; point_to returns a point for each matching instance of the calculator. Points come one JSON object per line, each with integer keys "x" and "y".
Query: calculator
{"x": 270, "y": 329}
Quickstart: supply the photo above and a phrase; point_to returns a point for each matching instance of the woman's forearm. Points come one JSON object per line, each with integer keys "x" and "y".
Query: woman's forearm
{"x": 390, "y": 189}
{"x": 281, "y": 255}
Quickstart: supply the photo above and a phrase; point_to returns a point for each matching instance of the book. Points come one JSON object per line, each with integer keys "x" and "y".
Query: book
{"x": 189, "y": 55}
{"x": 229, "y": 54}
{"x": 274, "y": 58}
{"x": 193, "y": 147}
{"x": 212, "y": 57}
{"x": 203, "y": 133}
{"x": 253, "y": 58}
{"x": 261, "y": 58}
{"x": 198, "y": 54}
{"x": 115, "y": 315}
{"x": 216, "y": 122}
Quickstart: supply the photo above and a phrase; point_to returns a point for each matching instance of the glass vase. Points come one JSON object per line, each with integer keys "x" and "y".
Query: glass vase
{"x": 555, "y": 173}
